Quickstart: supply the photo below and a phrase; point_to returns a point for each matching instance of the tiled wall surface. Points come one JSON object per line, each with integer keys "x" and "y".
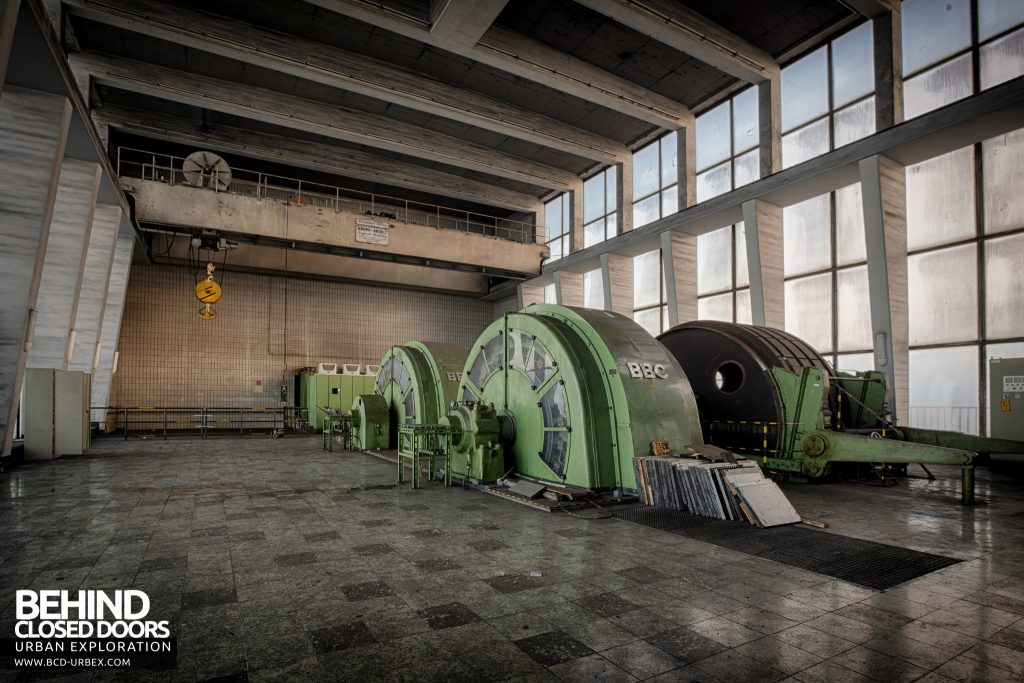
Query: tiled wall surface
{"x": 267, "y": 327}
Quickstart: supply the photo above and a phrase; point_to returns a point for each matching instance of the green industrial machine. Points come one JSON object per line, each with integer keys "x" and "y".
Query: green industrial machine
{"x": 418, "y": 381}
{"x": 767, "y": 395}
{"x": 569, "y": 396}
{"x": 330, "y": 391}
{"x": 370, "y": 422}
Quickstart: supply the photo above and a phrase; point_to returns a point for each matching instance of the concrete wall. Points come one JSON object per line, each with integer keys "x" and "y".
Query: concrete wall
{"x": 267, "y": 327}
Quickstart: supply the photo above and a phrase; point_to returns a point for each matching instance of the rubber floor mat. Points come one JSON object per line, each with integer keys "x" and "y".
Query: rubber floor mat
{"x": 865, "y": 563}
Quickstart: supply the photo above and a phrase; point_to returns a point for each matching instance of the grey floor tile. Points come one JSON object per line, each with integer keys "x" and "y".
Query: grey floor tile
{"x": 591, "y": 668}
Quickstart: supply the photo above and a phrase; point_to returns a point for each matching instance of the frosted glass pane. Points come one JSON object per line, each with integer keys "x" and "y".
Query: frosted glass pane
{"x": 612, "y": 225}
{"x": 717, "y": 307}
{"x": 807, "y": 236}
{"x": 745, "y": 130}
{"x": 650, "y": 320}
{"x": 995, "y": 16}
{"x": 1004, "y": 287}
{"x": 940, "y": 199}
{"x": 809, "y": 310}
{"x": 714, "y": 182}
{"x": 669, "y": 150}
{"x": 646, "y": 211}
{"x": 849, "y": 226}
{"x": 855, "y": 362}
{"x": 947, "y": 83}
{"x": 748, "y": 168}
{"x": 853, "y": 65}
{"x": 669, "y": 200}
{"x": 933, "y": 29}
{"x": 647, "y": 279}
{"x": 713, "y": 136}
{"x": 593, "y": 233}
{"x": 855, "y": 122}
{"x": 942, "y": 295}
{"x": 853, "y": 314}
{"x": 944, "y": 389}
{"x": 714, "y": 261}
{"x": 549, "y": 294}
{"x": 743, "y": 307}
{"x": 1002, "y": 159}
{"x": 1002, "y": 59}
{"x": 1007, "y": 350}
{"x": 742, "y": 271}
{"x": 593, "y": 198}
{"x": 593, "y": 289}
{"x": 612, "y": 188}
{"x": 664, "y": 318}
{"x": 646, "y": 173}
{"x": 556, "y": 250}
{"x": 553, "y": 217}
{"x": 806, "y": 143}
{"x": 804, "y": 89}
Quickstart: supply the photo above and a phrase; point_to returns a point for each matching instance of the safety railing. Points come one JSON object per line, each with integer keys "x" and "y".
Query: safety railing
{"x": 202, "y": 422}
{"x": 165, "y": 168}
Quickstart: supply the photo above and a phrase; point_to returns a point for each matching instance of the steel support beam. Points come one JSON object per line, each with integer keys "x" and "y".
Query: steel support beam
{"x": 33, "y": 133}
{"x": 883, "y": 192}
{"x": 316, "y": 117}
{"x": 683, "y": 29}
{"x": 64, "y": 264}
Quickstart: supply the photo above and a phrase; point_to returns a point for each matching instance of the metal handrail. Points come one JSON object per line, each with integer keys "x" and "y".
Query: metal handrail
{"x": 166, "y": 168}
{"x": 199, "y": 420}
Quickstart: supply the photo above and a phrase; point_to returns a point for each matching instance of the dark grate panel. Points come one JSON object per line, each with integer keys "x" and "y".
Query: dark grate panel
{"x": 866, "y": 563}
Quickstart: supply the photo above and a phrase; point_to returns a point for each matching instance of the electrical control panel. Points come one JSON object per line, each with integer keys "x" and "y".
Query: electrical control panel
{"x": 1006, "y": 399}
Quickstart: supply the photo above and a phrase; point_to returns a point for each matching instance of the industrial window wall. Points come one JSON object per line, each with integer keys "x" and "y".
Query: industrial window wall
{"x": 655, "y": 180}
{"x": 649, "y": 307}
{"x": 558, "y": 225}
{"x": 727, "y": 151}
{"x": 965, "y": 243}
{"x": 828, "y": 97}
{"x": 954, "y": 48}
{"x": 593, "y": 289}
{"x": 601, "y": 206}
{"x": 723, "y": 280}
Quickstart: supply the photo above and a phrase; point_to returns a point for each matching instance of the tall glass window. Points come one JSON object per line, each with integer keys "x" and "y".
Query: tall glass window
{"x": 593, "y": 289}
{"x": 943, "y": 63}
{"x": 649, "y": 307}
{"x": 601, "y": 206}
{"x": 655, "y": 180}
{"x": 727, "y": 146}
{"x": 723, "y": 281}
{"x": 828, "y": 97}
{"x": 825, "y": 269}
{"x": 558, "y": 226}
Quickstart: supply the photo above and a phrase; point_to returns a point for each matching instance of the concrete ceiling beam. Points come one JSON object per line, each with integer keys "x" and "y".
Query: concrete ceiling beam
{"x": 463, "y": 21}
{"x": 343, "y": 70}
{"x": 683, "y": 29}
{"x": 317, "y": 117}
{"x": 873, "y": 8}
{"x": 521, "y": 56}
{"x": 311, "y": 155}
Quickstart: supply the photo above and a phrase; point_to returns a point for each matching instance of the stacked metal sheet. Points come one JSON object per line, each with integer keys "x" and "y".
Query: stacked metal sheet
{"x": 721, "y": 490}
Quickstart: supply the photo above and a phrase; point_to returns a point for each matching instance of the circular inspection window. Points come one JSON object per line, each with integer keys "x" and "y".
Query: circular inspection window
{"x": 729, "y": 377}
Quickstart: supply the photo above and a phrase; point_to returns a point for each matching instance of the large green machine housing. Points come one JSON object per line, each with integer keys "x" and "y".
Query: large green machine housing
{"x": 571, "y": 395}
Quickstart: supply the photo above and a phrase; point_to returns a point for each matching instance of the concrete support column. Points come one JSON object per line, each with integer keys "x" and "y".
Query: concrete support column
{"x": 33, "y": 132}
{"x": 530, "y": 294}
{"x": 883, "y": 192}
{"x": 686, "y": 157}
{"x": 763, "y": 231}
{"x": 110, "y": 329}
{"x": 8, "y": 22}
{"x": 679, "y": 260}
{"x": 568, "y": 288}
{"x": 625, "y": 191}
{"x": 617, "y": 281}
{"x": 64, "y": 264}
{"x": 769, "y": 115}
{"x": 576, "y": 215}
{"x": 888, "y": 70}
{"x": 95, "y": 279}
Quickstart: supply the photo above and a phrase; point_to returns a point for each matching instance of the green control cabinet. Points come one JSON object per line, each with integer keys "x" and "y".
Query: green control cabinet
{"x": 330, "y": 391}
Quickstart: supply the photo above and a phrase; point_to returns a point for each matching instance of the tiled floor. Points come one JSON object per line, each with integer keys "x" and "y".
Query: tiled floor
{"x": 277, "y": 561}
